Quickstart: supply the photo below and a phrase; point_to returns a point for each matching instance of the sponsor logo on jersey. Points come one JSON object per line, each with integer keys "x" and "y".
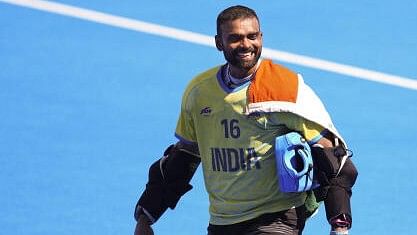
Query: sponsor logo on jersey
{"x": 205, "y": 111}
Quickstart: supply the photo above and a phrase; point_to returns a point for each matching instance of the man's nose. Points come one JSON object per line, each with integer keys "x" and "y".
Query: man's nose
{"x": 245, "y": 43}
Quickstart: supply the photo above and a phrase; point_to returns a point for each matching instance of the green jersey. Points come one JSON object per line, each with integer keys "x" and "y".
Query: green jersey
{"x": 236, "y": 149}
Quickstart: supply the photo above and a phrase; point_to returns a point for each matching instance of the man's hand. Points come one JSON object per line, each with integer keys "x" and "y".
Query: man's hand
{"x": 143, "y": 227}
{"x": 339, "y": 231}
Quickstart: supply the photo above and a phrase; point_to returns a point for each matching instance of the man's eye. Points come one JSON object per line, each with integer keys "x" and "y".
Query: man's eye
{"x": 234, "y": 38}
{"x": 252, "y": 36}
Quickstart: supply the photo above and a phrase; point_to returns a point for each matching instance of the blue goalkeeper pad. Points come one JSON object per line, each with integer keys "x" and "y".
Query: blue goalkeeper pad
{"x": 294, "y": 163}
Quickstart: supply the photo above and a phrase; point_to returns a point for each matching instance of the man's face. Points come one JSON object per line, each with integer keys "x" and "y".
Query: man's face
{"x": 241, "y": 43}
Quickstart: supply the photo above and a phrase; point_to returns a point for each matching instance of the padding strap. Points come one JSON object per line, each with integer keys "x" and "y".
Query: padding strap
{"x": 330, "y": 160}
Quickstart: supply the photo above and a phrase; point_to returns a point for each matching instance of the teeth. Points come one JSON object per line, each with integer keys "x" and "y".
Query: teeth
{"x": 244, "y": 54}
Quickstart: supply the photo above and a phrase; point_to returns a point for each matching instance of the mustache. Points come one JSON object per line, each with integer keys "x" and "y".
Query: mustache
{"x": 244, "y": 50}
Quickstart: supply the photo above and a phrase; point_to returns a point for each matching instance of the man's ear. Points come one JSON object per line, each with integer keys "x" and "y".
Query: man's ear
{"x": 219, "y": 43}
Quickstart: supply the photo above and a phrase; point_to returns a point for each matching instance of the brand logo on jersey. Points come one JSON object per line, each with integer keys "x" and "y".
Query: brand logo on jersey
{"x": 205, "y": 111}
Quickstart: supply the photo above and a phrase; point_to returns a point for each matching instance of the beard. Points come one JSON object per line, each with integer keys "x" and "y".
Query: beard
{"x": 233, "y": 58}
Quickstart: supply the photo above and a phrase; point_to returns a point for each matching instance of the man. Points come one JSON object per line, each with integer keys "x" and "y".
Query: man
{"x": 230, "y": 118}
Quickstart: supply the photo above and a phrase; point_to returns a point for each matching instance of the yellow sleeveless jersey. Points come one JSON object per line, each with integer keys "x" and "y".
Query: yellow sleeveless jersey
{"x": 237, "y": 150}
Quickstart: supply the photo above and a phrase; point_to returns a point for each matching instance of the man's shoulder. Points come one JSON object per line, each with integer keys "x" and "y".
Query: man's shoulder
{"x": 203, "y": 79}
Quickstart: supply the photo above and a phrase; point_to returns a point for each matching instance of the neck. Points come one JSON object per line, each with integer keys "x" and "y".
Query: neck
{"x": 232, "y": 81}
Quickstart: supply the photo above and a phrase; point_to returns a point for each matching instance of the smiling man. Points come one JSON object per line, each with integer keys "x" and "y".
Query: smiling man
{"x": 241, "y": 43}
{"x": 231, "y": 118}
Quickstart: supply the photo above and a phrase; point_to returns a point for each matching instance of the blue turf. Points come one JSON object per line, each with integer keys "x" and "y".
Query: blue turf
{"x": 86, "y": 108}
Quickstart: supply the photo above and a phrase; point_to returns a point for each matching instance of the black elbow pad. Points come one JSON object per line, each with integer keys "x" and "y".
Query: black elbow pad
{"x": 151, "y": 199}
{"x": 336, "y": 180}
{"x": 178, "y": 168}
{"x": 169, "y": 179}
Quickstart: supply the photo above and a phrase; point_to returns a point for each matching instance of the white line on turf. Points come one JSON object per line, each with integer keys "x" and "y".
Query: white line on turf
{"x": 196, "y": 38}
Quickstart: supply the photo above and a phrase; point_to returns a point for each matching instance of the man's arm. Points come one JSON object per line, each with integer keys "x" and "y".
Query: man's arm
{"x": 337, "y": 177}
{"x": 143, "y": 226}
{"x": 168, "y": 181}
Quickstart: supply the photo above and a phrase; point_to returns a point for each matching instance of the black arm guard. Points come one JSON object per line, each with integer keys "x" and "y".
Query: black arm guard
{"x": 169, "y": 179}
{"x": 336, "y": 180}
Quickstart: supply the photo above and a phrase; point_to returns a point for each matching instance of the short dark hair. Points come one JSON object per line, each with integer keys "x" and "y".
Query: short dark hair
{"x": 233, "y": 13}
